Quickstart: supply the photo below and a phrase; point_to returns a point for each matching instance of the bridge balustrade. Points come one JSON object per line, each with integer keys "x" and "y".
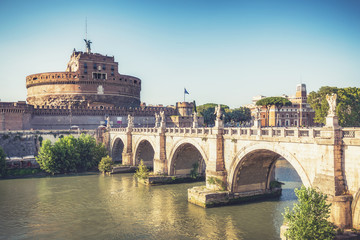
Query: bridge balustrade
{"x": 265, "y": 132}
{"x": 348, "y": 133}
{"x": 289, "y": 133}
{"x": 303, "y": 133}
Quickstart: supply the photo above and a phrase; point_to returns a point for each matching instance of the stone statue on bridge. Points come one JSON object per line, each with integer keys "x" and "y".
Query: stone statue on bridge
{"x": 331, "y": 99}
{"x": 108, "y": 122}
{"x": 218, "y": 112}
{"x": 195, "y": 120}
{"x": 157, "y": 120}
{"x": 162, "y": 115}
{"x": 130, "y": 121}
{"x": 163, "y": 120}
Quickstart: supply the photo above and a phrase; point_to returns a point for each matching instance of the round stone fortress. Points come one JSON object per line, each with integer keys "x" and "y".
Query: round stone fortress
{"x": 91, "y": 79}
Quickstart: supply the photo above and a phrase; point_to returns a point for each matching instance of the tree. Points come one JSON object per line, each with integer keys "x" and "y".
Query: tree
{"x": 2, "y": 163}
{"x": 308, "y": 219}
{"x": 207, "y": 111}
{"x": 318, "y": 102}
{"x": 194, "y": 106}
{"x": 347, "y": 108}
{"x": 142, "y": 172}
{"x": 241, "y": 114}
{"x": 70, "y": 154}
{"x": 268, "y": 102}
{"x": 106, "y": 164}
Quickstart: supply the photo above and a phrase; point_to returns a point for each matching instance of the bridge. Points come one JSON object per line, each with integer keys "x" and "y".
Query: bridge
{"x": 243, "y": 159}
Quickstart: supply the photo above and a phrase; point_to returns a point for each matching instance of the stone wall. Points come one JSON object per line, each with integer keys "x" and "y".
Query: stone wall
{"x": 27, "y": 143}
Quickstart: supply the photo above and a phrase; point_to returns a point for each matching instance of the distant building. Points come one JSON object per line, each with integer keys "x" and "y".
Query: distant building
{"x": 297, "y": 115}
{"x": 89, "y": 92}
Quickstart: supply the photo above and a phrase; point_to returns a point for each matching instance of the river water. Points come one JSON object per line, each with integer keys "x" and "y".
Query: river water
{"x": 116, "y": 207}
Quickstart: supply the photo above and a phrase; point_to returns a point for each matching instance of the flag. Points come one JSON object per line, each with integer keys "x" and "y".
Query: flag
{"x": 185, "y": 91}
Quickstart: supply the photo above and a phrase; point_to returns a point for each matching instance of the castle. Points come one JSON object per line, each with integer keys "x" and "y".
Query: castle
{"x": 90, "y": 91}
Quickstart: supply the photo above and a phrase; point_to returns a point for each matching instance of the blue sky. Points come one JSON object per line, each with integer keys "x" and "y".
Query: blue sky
{"x": 221, "y": 51}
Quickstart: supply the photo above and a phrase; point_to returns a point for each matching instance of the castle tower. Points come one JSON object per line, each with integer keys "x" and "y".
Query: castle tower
{"x": 185, "y": 109}
{"x": 90, "y": 79}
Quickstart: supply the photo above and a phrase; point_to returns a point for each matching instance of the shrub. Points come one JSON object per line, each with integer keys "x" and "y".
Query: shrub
{"x": 106, "y": 164}
{"x": 69, "y": 154}
{"x": 142, "y": 172}
{"x": 194, "y": 171}
{"x": 308, "y": 219}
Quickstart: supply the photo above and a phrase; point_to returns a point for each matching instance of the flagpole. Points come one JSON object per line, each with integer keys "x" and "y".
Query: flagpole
{"x": 184, "y": 94}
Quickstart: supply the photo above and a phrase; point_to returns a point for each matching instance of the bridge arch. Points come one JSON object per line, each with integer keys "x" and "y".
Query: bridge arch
{"x": 183, "y": 155}
{"x": 117, "y": 149}
{"x": 253, "y": 167}
{"x": 144, "y": 150}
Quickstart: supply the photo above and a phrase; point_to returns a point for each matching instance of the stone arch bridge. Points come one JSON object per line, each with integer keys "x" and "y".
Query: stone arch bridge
{"x": 243, "y": 159}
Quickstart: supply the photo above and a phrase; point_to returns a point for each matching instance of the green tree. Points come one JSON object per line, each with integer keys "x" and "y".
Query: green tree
{"x": 142, "y": 172}
{"x": 318, "y": 102}
{"x": 347, "y": 108}
{"x": 241, "y": 114}
{"x": 194, "y": 106}
{"x": 70, "y": 154}
{"x": 2, "y": 162}
{"x": 207, "y": 111}
{"x": 268, "y": 102}
{"x": 308, "y": 219}
{"x": 106, "y": 164}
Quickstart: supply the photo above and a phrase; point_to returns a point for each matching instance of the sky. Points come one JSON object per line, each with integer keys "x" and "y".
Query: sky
{"x": 220, "y": 51}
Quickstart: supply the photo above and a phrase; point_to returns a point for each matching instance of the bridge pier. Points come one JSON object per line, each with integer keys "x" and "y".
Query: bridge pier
{"x": 160, "y": 164}
{"x": 341, "y": 211}
{"x": 127, "y": 156}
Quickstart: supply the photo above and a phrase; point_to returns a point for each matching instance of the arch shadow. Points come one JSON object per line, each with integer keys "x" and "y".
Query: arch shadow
{"x": 183, "y": 157}
{"x": 253, "y": 167}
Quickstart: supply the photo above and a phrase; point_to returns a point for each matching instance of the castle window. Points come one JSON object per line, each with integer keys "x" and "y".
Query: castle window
{"x": 112, "y": 68}
{"x": 112, "y": 73}
{"x": 104, "y": 67}
{"x": 85, "y": 70}
{"x": 99, "y": 75}
{"x": 85, "y": 65}
{"x": 135, "y": 81}
{"x": 94, "y": 66}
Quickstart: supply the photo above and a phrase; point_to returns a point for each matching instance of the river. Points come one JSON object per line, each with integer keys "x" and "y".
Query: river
{"x": 116, "y": 207}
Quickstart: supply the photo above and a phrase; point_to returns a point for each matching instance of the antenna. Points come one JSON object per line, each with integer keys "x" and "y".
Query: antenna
{"x": 87, "y": 42}
{"x": 85, "y": 28}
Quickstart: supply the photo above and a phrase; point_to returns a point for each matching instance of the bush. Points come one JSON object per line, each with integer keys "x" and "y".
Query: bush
{"x": 2, "y": 163}
{"x": 308, "y": 219}
{"x": 106, "y": 164}
{"x": 69, "y": 154}
{"x": 194, "y": 171}
{"x": 142, "y": 172}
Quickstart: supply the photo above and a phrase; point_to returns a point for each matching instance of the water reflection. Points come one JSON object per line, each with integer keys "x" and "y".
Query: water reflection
{"x": 116, "y": 207}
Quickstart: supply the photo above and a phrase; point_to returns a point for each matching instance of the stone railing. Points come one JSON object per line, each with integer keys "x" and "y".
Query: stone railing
{"x": 346, "y": 133}
{"x": 145, "y": 130}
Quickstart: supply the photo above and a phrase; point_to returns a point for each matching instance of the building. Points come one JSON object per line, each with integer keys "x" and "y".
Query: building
{"x": 298, "y": 115}
{"x": 89, "y": 92}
